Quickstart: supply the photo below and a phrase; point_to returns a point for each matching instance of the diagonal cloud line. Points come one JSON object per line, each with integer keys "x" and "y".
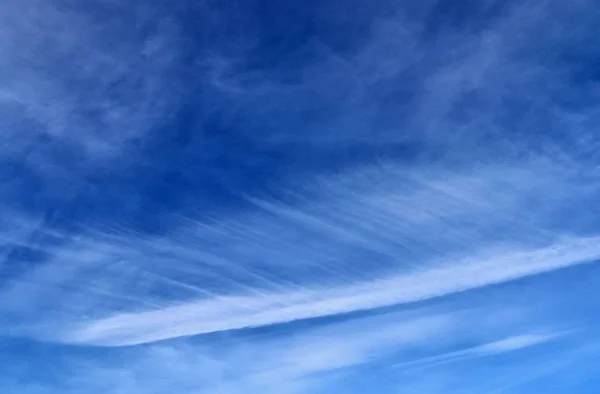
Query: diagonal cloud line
{"x": 239, "y": 312}
{"x": 505, "y": 345}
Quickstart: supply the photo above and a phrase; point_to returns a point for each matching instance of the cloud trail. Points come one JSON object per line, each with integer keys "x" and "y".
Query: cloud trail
{"x": 238, "y": 312}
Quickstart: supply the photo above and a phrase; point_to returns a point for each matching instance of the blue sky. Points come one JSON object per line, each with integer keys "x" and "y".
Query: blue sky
{"x": 269, "y": 196}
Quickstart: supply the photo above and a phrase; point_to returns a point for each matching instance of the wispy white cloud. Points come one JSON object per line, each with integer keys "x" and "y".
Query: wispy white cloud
{"x": 512, "y": 343}
{"x": 339, "y": 246}
{"x": 237, "y": 312}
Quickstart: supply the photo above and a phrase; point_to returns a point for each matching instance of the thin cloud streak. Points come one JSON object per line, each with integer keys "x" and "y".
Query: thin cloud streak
{"x": 244, "y": 312}
{"x": 497, "y": 347}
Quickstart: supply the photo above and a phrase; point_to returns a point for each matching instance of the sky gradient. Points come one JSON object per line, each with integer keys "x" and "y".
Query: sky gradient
{"x": 289, "y": 197}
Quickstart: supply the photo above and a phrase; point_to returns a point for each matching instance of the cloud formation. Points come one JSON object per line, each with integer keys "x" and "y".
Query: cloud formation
{"x": 277, "y": 176}
{"x": 281, "y": 262}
